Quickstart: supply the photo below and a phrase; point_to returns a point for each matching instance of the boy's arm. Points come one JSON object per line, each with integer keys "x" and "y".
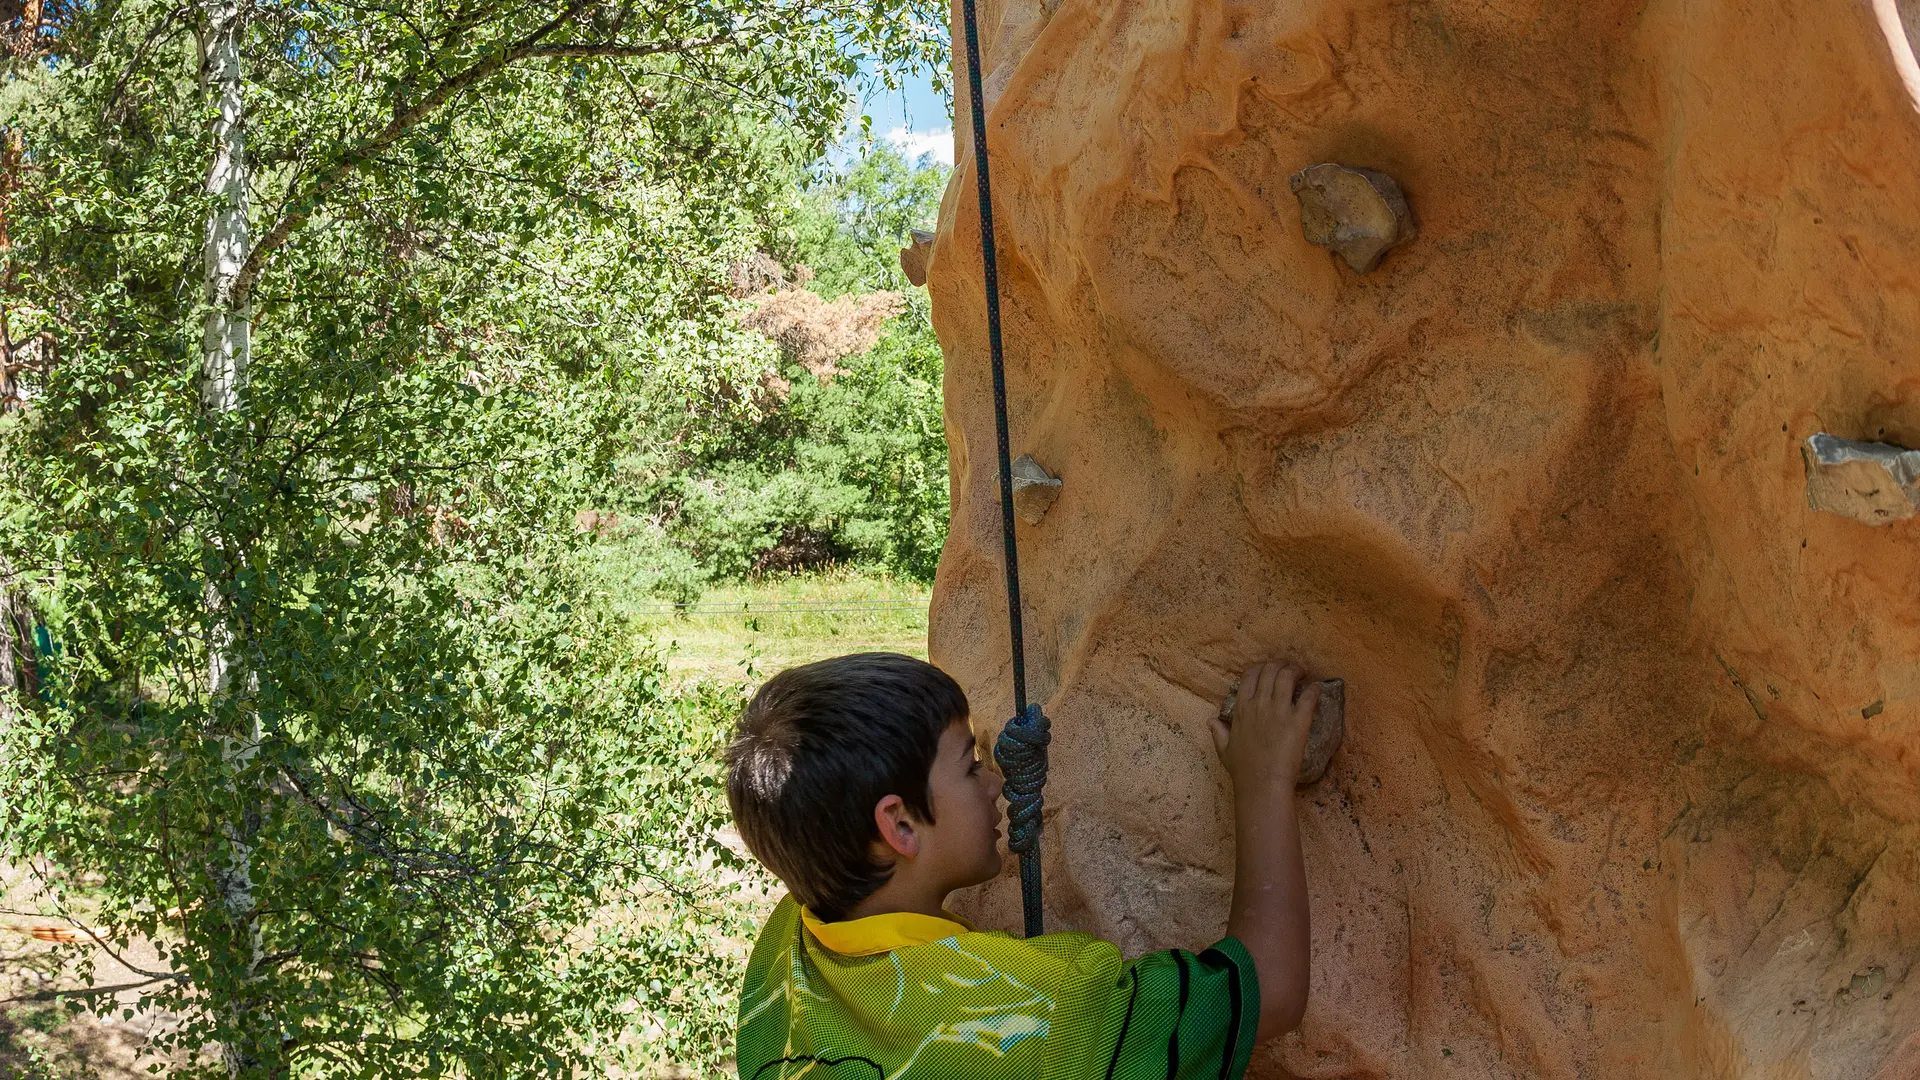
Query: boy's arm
{"x": 1262, "y": 750}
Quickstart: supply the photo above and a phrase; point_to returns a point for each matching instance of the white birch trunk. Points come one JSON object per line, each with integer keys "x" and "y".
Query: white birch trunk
{"x": 228, "y": 339}
{"x": 226, "y": 347}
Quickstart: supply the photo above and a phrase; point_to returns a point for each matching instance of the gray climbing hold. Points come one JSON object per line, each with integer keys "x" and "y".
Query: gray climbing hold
{"x": 1034, "y": 489}
{"x": 1329, "y": 728}
{"x": 913, "y": 260}
{"x": 1355, "y": 213}
{"x": 1874, "y": 482}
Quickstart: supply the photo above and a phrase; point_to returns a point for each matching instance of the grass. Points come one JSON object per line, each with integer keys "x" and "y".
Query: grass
{"x": 742, "y": 633}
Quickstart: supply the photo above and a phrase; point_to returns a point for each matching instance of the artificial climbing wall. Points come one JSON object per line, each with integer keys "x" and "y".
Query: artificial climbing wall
{"x": 1629, "y": 785}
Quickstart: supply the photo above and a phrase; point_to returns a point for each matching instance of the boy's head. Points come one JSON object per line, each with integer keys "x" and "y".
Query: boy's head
{"x": 845, "y": 771}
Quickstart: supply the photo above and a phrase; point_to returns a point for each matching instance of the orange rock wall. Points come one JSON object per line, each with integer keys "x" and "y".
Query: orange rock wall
{"x": 1629, "y": 787}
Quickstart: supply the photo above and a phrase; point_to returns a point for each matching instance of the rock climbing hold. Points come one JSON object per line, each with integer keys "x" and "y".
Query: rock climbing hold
{"x": 1323, "y": 739}
{"x": 1356, "y": 213}
{"x": 1034, "y": 489}
{"x": 913, "y": 259}
{"x": 1874, "y": 482}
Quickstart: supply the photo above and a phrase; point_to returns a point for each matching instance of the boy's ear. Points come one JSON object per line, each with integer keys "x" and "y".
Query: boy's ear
{"x": 896, "y": 826}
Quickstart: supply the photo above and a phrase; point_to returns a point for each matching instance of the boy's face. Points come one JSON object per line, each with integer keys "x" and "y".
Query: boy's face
{"x": 962, "y": 846}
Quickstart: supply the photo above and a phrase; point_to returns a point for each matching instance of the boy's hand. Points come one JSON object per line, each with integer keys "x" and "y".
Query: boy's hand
{"x": 1262, "y": 744}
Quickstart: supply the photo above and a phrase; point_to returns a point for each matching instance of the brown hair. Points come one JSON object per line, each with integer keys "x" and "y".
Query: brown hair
{"x": 816, "y": 748}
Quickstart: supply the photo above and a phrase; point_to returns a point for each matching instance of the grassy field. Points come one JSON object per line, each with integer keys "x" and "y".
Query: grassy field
{"x": 744, "y": 633}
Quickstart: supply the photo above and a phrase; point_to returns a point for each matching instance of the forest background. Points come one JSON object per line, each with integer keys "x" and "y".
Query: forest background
{"x": 392, "y": 394}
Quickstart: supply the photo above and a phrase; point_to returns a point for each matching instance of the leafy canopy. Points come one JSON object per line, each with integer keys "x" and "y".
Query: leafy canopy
{"x": 480, "y": 232}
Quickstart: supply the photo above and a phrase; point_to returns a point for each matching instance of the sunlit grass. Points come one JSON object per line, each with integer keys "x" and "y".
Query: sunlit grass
{"x": 749, "y": 631}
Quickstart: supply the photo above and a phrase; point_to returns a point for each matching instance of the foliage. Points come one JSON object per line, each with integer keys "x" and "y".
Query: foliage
{"x": 400, "y": 842}
{"x": 849, "y": 468}
{"x": 858, "y": 464}
{"x": 851, "y": 222}
{"x": 669, "y": 951}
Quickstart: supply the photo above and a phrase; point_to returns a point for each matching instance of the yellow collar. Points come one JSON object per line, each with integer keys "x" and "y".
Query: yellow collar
{"x": 884, "y": 932}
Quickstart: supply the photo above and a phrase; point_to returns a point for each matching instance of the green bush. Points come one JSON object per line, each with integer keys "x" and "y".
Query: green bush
{"x": 855, "y": 466}
{"x": 847, "y": 469}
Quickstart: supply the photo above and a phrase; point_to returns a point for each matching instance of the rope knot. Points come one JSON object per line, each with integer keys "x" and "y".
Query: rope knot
{"x": 1021, "y": 751}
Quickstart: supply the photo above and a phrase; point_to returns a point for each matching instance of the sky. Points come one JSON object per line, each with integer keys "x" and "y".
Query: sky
{"x": 914, "y": 118}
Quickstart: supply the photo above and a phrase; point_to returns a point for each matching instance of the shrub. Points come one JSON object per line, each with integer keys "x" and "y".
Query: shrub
{"x": 829, "y": 458}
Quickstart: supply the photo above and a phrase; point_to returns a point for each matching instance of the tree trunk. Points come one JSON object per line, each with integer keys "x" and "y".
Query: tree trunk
{"x": 18, "y": 674}
{"x": 226, "y": 347}
{"x": 25, "y": 40}
{"x": 228, "y": 339}
{"x": 13, "y": 355}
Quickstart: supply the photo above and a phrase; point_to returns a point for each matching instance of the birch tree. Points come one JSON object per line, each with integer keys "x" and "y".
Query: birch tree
{"x": 226, "y": 346}
{"x": 350, "y": 298}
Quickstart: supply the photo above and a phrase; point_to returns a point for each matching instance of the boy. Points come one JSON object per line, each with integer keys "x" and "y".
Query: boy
{"x": 856, "y": 781}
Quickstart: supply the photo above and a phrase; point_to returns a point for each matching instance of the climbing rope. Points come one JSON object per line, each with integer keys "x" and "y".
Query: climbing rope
{"x": 1021, "y": 748}
{"x": 1022, "y": 753}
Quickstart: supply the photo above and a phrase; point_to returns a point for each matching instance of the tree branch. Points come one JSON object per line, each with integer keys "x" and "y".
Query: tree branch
{"x": 106, "y": 947}
{"x": 139, "y": 55}
{"x": 625, "y": 52}
{"x": 91, "y": 991}
{"x": 527, "y": 48}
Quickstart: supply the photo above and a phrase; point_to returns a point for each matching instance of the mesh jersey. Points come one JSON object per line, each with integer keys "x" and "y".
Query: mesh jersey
{"x": 987, "y": 1006}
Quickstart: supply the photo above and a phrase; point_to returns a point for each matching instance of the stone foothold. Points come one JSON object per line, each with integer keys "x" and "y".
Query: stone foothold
{"x": 1873, "y": 482}
{"x": 1323, "y": 739}
{"x": 1355, "y": 213}
{"x": 1034, "y": 489}
{"x": 913, "y": 259}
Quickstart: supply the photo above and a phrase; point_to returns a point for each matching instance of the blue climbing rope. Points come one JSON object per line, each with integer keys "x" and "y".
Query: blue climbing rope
{"x": 1021, "y": 748}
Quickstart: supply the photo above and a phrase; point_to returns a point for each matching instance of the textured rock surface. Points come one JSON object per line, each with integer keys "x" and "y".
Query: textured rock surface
{"x": 1633, "y": 735}
{"x": 913, "y": 259}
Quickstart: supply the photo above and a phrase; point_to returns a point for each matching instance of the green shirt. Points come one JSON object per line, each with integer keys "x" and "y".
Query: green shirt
{"x": 912, "y": 997}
